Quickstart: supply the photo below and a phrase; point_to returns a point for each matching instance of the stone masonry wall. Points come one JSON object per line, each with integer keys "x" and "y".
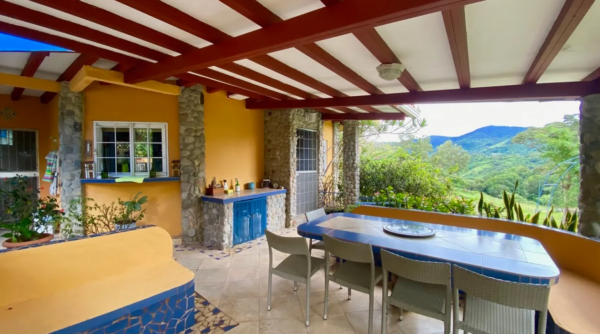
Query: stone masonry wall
{"x": 193, "y": 162}
{"x": 276, "y": 212}
{"x": 335, "y": 155}
{"x": 589, "y": 194}
{"x": 218, "y": 225}
{"x": 351, "y": 173}
{"x": 70, "y": 131}
{"x": 280, "y": 150}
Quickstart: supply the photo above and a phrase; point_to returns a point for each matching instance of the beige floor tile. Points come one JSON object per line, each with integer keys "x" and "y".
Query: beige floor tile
{"x": 191, "y": 263}
{"x": 360, "y": 323}
{"x": 211, "y": 275}
{"x": 242, "y": 289}
{"x": 189, "y": 254}
{"x": 317, "y": 283}
{"x": 417, "y": 324}
{"x": 211, "y": 291}
{"x": 335, "y": 324}
{"x": 317, "y": 301}
{"x": 210, "y": 263}
{"x": 280, "y": 286}
{"x": 244, "y": 260}
{"x": 282, "y": 307}
{"x": 240, "y": 309}
{"x": 359, "y": 301}
{"x": 245, "y": 328}
{"x": 243, "y": 273}
{"x": 280, "y": 326}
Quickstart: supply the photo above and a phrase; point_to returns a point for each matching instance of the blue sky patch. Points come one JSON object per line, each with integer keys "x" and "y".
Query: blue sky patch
{"x": 13, "y": 43}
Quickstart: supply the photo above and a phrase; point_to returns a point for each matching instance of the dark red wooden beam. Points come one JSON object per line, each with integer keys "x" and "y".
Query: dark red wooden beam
{"x": 240, "y": 83}
{"x": 253, "y": 11}
{"x": 371, "y": 39}
{"x": 211, "y": 90}
{"x": 456, "y": 29}
{"x": 177, "y": 18}
{"x": 344, "y": 17}
{"x": 364, "y": 117}
{"x": 567, "y": 21}
{"x": 593, "y": 76}
{"x": 69, "y": 73}
{"x": 52, "y": 22}
{"x": 33, "y": 63}
{"x": 532, "y": 92}
{"x": 190, "y": 80}
{"x": 116, "y": 22}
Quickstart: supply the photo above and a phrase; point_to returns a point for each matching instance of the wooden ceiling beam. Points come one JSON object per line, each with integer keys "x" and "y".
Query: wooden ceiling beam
{"x": 364, "y": 117}
{"x": 69, "y": 73}
{"x": 568, "y": 19}
{"x": 339, "y": 19}
{"x": 456, "y": 29}
{"x": 207, "y": 72}
{"x": 533, "y": 92}
{"x": 253, "y": 11}
{"x": 211, "y": 90}
{"x": 371, "y": 39}
{"x": 188, "y": 79}
{"x": 116, "y": 22}
{"x": 33, "y": 63}
{"x": 593, "y": 76}
{"x": 177, "y": 18}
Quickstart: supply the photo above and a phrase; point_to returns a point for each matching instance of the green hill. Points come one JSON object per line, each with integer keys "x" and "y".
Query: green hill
{"x": 486, "y": 140}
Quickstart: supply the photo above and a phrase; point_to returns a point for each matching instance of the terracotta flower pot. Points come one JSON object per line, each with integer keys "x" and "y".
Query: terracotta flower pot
{"x": 45, "y": 238}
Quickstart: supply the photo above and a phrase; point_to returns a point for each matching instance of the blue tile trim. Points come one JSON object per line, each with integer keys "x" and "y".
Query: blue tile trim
{"x": 242, "y": 198}
{"x": 91, "y": 323}
{"x": 146, "y": 180}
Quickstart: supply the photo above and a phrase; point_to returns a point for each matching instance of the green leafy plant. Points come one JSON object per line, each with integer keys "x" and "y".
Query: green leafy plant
{"x": 28, "y": 214}
{"x": 459, "y": 205}
{"x": 131, "y": 211}
{"x": 90, "y": 217}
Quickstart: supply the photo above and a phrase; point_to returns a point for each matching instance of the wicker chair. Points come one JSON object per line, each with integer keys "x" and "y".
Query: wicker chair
{"x": 357, "y": 270}
{"x": 298, "y": 267}
{"x": 422, "y": 287}
{"x": 495, "y": 306}
{"x": 311, "y": 215}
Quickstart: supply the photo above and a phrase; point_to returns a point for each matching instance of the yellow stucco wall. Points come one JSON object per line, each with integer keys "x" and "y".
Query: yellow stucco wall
{"x": 328, "y": 136}
{"x": 234, "y": 140}
{"x": 32, "y": 115}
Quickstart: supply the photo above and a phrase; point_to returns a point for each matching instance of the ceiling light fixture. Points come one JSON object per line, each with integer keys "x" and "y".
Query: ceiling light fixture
{"x": 390, "y": 72}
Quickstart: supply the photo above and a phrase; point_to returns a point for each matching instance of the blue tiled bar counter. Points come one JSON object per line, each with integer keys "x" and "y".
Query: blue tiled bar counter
{"x": 240, "y": 217}
{"x": 121, "y": 282}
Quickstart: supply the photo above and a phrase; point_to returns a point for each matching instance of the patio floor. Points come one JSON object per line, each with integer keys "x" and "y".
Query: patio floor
{"x": 236, "y": 282}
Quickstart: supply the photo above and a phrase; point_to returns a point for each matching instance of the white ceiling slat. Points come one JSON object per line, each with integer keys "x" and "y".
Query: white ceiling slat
{"x": 421, "y": 44}
{"x": 104, "y": 64}
{"x": 61, "y": 34}
{"x": 352, "y": 53}
{"x": 581, "y": 54}
{"x": 13, "y": 61}
{"x": 55, "y": 64}
{"x": 386, "y": 109}
{"x": 505, "y": 36}
{"x": 75, "y": 19}
{"x": 291, "y": 8}
{"x": 215, "y": 14}
{"x": 231, "y": 74}
{"x": 149, "y": 21}
{"x": 237, "y": 97}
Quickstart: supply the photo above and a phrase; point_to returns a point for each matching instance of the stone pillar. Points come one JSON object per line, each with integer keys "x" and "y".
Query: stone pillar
{"x": 70, "y": 131}
{"x": 193, "y": 162}
{"x": 335, "y": 164}
{"x": 351, "y": 172}
{"x": 589, "y": 193}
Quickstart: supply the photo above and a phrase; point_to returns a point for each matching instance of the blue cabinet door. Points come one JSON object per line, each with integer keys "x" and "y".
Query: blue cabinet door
{"x": 249, "y": 220}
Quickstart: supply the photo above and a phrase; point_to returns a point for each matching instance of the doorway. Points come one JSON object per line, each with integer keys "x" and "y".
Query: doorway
{"x": 306, "y": 171}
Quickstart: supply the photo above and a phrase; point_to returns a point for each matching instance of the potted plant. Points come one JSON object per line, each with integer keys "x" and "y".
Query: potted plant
{"x": 27, "y": 216}
{"x": 130, "y": 212}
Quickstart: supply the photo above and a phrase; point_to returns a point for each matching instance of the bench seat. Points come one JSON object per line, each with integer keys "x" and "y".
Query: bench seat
{"x": 575, "y": 304}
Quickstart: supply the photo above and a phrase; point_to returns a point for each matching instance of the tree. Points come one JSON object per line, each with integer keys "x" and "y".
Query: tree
{"x": 451, "y": 158}
{"x": 556, "y": 142}
{"x": 418, "y": 147}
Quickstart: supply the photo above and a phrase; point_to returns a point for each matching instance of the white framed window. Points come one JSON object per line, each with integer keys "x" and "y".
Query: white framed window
{"x": 131, "y": 148}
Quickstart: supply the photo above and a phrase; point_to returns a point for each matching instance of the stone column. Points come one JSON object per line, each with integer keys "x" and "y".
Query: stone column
{"x": 351, "y": 172}
{"x": 70, "y": 131}
{"x": 335, "y": 173}
{"x": 193, "y": 162}
{"x": 589, "y": 193}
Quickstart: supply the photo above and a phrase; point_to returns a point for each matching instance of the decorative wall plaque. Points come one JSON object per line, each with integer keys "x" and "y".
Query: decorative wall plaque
{"x": 8, "y": 113}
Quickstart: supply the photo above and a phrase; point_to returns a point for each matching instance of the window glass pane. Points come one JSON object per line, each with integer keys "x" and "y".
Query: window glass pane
{"x": 141, "y": 150}
{"x": 107, "y": 164}
{"x": 122, "y": 135}
{"x": 107, "y": 150}
{"x": 141, "y": 165}
{"x": 157, "y": 164}
{"x": 107, "y": 134}
{"x": 123, "y": 150}
{"x": 156, "y": 150}
{"x": 123, "y": 166}
{"x": 141, "y": 135}
{"x": 155, "y": 135}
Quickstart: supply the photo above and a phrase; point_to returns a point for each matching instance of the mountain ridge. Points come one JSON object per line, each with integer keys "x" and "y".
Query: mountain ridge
{"x": 488, "y": 139}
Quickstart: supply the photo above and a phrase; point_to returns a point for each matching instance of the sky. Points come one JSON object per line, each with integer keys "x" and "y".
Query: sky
{"x": 457, "y": 119}
{"x": 12, "y": 43}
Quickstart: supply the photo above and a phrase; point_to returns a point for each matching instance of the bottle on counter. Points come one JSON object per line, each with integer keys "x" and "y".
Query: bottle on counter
{"x": 225, "y": 186}
{"x": 237, "y": 185}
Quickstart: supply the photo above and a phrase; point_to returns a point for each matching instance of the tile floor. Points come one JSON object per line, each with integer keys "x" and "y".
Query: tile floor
{"x": 237, "y": 285}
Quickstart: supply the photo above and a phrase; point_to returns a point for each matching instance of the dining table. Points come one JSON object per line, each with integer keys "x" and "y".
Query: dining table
{"x": 498, "y": 255}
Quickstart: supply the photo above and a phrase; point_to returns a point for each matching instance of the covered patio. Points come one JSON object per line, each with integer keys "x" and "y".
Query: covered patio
{"x": 160, "y": 97}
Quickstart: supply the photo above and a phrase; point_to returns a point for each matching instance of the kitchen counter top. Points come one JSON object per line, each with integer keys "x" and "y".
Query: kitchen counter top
{"x": 243, "y": 195}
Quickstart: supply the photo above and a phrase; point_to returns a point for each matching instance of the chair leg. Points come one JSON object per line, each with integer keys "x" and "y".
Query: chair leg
{"x": 401, "y": 316}
{"x": 295, "y": 286}
{"x": 326, "y": 303}
{"x": 349, "y": 293}
{"x": 370, "y": 331}
{"x": 308, "y": 302}
{"x": 269, "y": 291}
{"x": 384, "y": 304}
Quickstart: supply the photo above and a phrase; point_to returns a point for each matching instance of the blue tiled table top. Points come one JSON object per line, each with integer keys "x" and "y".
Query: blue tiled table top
{"x": 499, "y": 255}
